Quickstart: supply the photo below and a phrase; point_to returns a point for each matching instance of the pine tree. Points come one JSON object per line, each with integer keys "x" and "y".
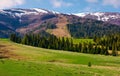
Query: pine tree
{"x": 25, "y": 40}
{"x": 114, "y": 50}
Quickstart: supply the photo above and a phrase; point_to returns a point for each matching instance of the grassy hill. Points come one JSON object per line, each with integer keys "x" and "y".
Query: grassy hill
{"x": 22, "y": 60}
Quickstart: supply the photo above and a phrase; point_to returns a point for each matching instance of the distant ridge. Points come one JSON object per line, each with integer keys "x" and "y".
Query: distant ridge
{"x": 44, "y": 22}
{"x": 111, "y": 17}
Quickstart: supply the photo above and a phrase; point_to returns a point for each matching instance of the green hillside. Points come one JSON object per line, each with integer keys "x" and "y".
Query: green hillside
{"x": 22, "y": 60}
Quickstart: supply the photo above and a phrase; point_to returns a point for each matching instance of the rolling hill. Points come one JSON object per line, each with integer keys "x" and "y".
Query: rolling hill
{"x": 22, "y": 60}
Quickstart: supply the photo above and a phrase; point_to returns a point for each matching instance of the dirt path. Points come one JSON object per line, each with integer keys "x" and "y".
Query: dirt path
{"x": 61, "y": 30}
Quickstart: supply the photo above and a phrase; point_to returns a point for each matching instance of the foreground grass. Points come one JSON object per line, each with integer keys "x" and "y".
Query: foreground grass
{"x": 31, "y": 61}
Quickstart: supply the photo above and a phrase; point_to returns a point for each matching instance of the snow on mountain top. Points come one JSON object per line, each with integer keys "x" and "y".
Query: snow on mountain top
{"x": 20, "y": 12}
{"x": 88, "y": 13}
{"x": 44, "y": 11}
{"x": 81, "y": 14}
{"x": 54, "y": 12}
{"x": 39, "y": 10}
{"x": 99, "y": 15}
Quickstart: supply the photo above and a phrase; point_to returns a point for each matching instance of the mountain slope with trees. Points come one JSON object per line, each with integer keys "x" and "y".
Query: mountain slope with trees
{"x": 25, "y": 21}
{"x": 91, "y": 28}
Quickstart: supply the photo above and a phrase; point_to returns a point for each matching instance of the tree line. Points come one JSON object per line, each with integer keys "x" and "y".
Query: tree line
{"x": 112, "y": 42}
{"x": 52, "y": 42}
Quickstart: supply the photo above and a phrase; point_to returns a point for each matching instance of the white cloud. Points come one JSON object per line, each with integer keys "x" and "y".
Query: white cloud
{"x": 114, "y": 3}
{"x": 88, "y": 9}
{"x": 60, "y": 3}
{"x": 92, "y": 1}
{"x": 10, "y": 3}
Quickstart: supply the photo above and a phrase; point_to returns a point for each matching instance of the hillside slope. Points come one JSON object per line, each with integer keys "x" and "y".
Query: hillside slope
{"x": 61, "y": 30}
{"x": 24, "y": 60}
{"x": 41, "y": 21}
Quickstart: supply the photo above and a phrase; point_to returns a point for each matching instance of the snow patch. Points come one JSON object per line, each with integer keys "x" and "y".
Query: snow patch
{"x": 20, "y": 12}
{"x": 55, "y": 12}
{"x": 81, "y": 14}
{"x": 100, "y": 16}
{"x": 40, "y": 10}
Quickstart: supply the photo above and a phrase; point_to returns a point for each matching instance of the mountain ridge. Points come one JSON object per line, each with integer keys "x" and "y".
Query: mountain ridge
{"x": 110, "y": 17}
{"x": 36, "y": 20}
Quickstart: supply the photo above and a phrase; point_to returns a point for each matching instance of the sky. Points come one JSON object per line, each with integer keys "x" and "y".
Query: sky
{"x": 65, "y": 6}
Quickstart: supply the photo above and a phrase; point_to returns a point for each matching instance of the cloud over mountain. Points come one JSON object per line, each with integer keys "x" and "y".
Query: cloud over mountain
{"x": 60, "y": 3}
{"x": 10, "y": 3}
{"x": 114, "y": 3}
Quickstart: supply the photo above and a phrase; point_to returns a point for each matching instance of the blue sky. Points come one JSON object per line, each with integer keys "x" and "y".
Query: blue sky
{"x": 65, "y": 6}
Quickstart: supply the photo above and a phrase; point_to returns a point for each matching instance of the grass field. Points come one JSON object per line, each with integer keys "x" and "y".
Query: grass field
{"x": 77, "y": 41}
{"x": 31, "y": 61}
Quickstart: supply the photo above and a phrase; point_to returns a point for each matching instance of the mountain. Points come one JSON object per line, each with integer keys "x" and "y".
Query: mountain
{"x": 45, "y": 22}
{"x": 110, "y": 17}
{"x": 23, "y": 20}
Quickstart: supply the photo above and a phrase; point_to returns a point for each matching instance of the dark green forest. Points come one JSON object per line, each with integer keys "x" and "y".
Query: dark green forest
{"x": 112, "y": 42}
{"x": 89, "y": 29}
{"x": 101, "y": 46}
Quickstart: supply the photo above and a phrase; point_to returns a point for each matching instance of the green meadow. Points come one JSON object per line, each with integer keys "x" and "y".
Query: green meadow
{"x": 77, "y": 41}
{"x": 25, "y": 60}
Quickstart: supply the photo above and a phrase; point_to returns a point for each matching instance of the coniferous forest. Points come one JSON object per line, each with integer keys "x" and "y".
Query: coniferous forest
{"x": 112, "y": 42}
{"x": 101, "y": 46}
{"x": 87, "y": 30}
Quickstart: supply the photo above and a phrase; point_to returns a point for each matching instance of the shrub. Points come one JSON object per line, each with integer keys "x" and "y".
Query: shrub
{"x": 89, "y": 64}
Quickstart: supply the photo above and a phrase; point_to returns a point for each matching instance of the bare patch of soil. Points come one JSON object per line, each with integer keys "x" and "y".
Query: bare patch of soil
{"x": 60, "y": 61}
{"x": 61, "y": 30}
{"x": 6, "y": 52}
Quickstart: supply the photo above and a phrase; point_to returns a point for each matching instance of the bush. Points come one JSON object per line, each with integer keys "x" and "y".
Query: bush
{"x": 89, "y": 64}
